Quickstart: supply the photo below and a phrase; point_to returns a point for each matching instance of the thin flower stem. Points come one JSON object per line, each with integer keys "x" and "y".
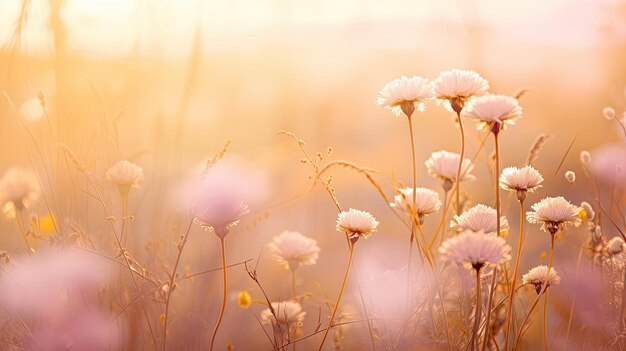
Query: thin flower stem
{"x": 513, "y": 280}
{"x": 498, "y": 225}
{"x": 477, "y": 313}
{"x": 409, "y": 285}
{"x": 293, "y": 283}
{"x": 545, "y": 286}
{"x": 458, "y": 171}
{"x": 22, "y": 229}
{"x": 571, "y": 310}
{"x": 219, "y": 319}
{"x": 181, "y": 245}
{"x": 530, "y": 311}
{"x": 343, "y": 285}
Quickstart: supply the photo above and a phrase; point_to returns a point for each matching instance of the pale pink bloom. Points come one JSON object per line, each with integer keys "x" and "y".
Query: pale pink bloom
{"x": 86, "y": 330}
{"x": 356, "y": 224}
{"x": 292, "y": 250}
{"x": 615, "y": 245}
{"x": 426, "y": 201}
{"x": 475, "y": 249}
{"x": 520, "y": 179}
{"x": 459, "y": 84}
{"x": 489, "y": 110}
{"x": 125, "y": 174}
{"x": 19, "y": 189}
{"x": 607, "y": 159}
{"x": 444, "y": 165}
{"x": 554, "y": 214}
{"x": 537, "y": 277}
{"x": 223, "y": 195}
{"x": 415, "y": 91}
{"x": 479, "y": 218}
{"x": 288, "y": 313}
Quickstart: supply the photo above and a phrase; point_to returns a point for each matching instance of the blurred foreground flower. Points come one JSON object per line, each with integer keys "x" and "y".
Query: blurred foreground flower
{"x": 292, "y": 250}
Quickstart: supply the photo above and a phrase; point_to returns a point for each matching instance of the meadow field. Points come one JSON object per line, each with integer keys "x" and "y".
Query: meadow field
{"x": 312, "y": 175}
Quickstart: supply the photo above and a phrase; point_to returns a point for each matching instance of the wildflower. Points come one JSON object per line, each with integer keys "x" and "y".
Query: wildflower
{"x": 521, "y": 180}
{"x": 405, "y": 95}
{"x": 426, "y": 201}
{"x": 19, "y": 189}
{"x": 292, "y": 250}
{"x": 32, "y": 110}
{"x": 585, "y": 157}
{"x": 615, "y": 245}
{"x": 125, "y": 175}
{"x": 479, "y": 218}
{"x": 537, "y": 277}
{"x": 444, "y": 165}
{"x": 457, "y": 86}
{"x": 570, "y": 176}
{"x": 244, "y": 299}
{"x": 608, "y": 112}
{"x": 587, "y": 210}
{"x": 554, "y": 214}
{"x": 475, "y": 249}
{"x": 220, "y": 214}
{"x": 493, "y": 112}
{"x": 288, "y": 313}
{"x": 356, "y": 224}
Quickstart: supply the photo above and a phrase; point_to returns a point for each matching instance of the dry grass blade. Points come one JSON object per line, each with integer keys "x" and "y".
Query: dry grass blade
{"x": 536, "y": 147}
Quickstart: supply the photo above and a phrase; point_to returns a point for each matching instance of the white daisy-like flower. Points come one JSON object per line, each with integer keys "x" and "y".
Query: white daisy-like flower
{"x": 520, "y": 179}
{"x": 457, "y": 86}
{"x": 288, "y": 313}
{"x": 491, "y": 111}
{"x": 426, "y": 201}
{"x": 537, "y": 277}
{"x": 554, "y": 214}
{"x": 444, "y": 165}
{"x": 19, "y": 189}
{"x": 479, "y": 218}
{"x": 125, "y": 174}
{"x": 615, "y": 245}
{"x": 405, "y": 95}
{"x": 292, "y": 250}
{"x": 220, "y": 214}
{"x": 356, "y": 224}
{"x": 475, "y": 249}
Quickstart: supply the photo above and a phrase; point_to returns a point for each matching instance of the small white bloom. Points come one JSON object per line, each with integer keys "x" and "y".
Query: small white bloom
{"x": 475, "y": 249}
{"x": 19, "y": 189}
{"x": 615, "y": 245}
{"x": 444, "y": 165}
{"x": 292, "y": 250}
{"x": 459, "y": 84}
{"x": 356, "y": 224}
{"x": 537, "y": 277}
{"x": 489, "y": 110}
{"x": 520, "y": 179}
{"x": 32, "y": 110}
{"x": 426, "y": 201}
{"x": 585, "y": 157}
{"x": 412, "y": 92}
{"x": 554, "y": 214}
{"x": 570, "y": 176}
{"x": 125, "y": 174}
{"x": 608, "y": 112}
{"x": 479, "y": 218}
{"x": 288, "y": 313}
{"x": 591, "y": 214}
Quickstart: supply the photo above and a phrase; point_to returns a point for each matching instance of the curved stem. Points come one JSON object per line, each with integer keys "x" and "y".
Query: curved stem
{"x": 477, "y": 313}
{"x": 513, "y": 280}
{"x": 219, "y": 319}
{"x": 458, "y": 171}
{"x": 343, "y": 285}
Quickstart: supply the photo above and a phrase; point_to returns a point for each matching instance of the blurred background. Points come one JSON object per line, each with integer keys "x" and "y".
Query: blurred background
{"x": 167, "y": 83}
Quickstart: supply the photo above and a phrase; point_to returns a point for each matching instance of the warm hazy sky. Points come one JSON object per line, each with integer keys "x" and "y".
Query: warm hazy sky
{"x": 112, "y": 27}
